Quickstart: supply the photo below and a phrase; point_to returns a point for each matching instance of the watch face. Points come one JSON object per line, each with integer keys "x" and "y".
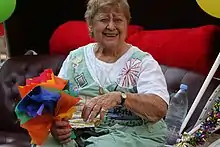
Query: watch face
{"x": 123, "y": 95}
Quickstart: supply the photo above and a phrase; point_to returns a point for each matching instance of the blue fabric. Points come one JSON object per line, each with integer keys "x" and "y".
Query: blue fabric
{"x": 39, "y": 100}
{"x": 121, "y": 113}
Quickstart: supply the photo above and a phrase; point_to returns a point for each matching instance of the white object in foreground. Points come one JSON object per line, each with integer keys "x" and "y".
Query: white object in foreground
{"x": 201, "y": 92}
{"x": 215, "y": 144}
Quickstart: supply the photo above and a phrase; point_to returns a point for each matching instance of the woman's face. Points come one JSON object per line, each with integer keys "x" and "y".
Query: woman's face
{"x": 109, "y": 27}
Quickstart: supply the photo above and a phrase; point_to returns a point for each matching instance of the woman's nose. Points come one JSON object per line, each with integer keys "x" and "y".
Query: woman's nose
{"x": 111, "y": 25}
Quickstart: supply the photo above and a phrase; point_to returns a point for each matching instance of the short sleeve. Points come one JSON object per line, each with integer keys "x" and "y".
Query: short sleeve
{"x": 64, "y": 68}
{"x": 151, "y": 79}
{"x": 67, "y": 69}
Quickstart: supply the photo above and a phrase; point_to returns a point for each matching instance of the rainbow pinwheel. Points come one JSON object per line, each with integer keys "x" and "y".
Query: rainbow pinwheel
{"x": 44, "y": 99}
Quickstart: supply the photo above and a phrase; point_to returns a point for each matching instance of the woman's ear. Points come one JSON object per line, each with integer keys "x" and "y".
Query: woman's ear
{"x": 90, "y": 31}
{"x": 90, "y": 28}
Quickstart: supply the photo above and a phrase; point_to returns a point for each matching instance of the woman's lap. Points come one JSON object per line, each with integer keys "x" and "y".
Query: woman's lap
{"x": 152, "y": 135}
{"x": 51, "y": 142}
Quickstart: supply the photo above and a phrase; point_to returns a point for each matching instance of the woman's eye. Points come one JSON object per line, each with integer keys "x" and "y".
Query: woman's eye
{"x": 118, "y": 20}
{"x": 104, "y": 20}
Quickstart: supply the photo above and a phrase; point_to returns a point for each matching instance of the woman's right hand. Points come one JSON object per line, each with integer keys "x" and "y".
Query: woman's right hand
{"x": 61, "y": 132}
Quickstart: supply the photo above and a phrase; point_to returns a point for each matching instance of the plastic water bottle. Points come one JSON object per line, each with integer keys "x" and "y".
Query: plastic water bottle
{"x": 176, "y": 114}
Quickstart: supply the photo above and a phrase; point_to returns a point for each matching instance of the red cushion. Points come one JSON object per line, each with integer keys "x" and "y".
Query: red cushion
{"x": 184, "y": 48}
{"x": 69, "y": 36}
{"x": 74, "y": 34}
{"x": 132, "y": 29}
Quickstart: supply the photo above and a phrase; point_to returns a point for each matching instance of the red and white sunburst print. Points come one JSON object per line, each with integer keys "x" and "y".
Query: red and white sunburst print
{"x": 130, "y": 73}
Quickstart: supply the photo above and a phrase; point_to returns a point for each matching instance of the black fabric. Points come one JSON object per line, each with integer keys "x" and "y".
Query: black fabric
{"x": 85, "y": 133}
{"x": 33, "y": 22}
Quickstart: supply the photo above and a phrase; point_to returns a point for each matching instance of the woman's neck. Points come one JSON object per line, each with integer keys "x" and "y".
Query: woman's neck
{"x": 111, "y": 55}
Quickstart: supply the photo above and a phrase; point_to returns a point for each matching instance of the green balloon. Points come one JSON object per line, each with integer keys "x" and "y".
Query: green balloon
{"x": 7, "y": 7}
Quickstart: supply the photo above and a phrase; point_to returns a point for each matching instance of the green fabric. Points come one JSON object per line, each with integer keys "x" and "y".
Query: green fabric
{"x": 77, "y": 57}
{"x": 73, "y": 135}
{"x": 51, "y": 142}
{"x": 118, "y": 133}
{"x": 22, "y": 116}
{"x": 146, "y": 135}
{"x": 91, "y": 88}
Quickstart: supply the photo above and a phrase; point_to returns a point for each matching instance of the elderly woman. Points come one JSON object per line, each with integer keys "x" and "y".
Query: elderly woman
{"x": 117, "y": 81}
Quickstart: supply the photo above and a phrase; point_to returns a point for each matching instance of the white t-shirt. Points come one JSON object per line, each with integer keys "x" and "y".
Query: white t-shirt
{"x": 151, "y": 79}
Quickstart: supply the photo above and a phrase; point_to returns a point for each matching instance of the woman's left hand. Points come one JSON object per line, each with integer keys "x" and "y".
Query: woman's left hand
{"x": 99, "y": 105}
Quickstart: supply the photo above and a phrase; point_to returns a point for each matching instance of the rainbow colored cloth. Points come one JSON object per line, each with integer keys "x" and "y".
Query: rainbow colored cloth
{"x": 44, "y": 99}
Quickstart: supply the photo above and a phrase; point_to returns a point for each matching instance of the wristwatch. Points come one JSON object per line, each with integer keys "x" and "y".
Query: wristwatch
{"x": 123, "y": 98}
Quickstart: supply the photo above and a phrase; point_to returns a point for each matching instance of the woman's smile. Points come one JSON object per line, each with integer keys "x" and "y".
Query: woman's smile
{"x": 110, "y": 36}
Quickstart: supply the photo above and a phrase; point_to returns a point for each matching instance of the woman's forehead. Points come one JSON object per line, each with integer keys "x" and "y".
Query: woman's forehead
{"x": 109, "y": 9}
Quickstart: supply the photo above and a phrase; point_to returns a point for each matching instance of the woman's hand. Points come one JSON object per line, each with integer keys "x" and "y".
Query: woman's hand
{"x": 99, "y": 105}
{"x": 60, "y": 131}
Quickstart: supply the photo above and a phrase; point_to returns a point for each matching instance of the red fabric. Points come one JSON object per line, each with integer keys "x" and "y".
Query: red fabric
{"x": 132, "y": 29}
{"x": 74, "y": 34}
{"x": 1, "y": 29}
{"x": 69, "y": 36}
{"x": 184, "y": 48}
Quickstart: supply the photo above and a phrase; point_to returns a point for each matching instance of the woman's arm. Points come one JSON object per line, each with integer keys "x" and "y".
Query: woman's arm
{"x": 152, "y": 98}
{"x": 150, "y": 102}
{"x": 147, "y": 106}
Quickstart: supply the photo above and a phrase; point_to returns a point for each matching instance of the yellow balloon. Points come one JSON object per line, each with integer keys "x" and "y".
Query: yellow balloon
{"x": 212, "y": 7}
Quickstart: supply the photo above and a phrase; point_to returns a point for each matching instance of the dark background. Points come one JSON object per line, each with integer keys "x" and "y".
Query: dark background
{"x": 33, "y": 22}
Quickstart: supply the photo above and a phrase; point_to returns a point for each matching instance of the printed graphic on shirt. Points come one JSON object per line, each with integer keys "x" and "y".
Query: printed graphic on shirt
{"x": 76, "y": 61}
{"x": 81, "y": 80}
{"x": 130, "y": 73}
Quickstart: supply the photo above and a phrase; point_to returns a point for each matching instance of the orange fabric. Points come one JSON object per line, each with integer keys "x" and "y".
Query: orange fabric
{"x": 64, "y": 108}
{"x": 24, "y": 90}
{"x": 38, "y": 128}
{"x": 57, "y": 83}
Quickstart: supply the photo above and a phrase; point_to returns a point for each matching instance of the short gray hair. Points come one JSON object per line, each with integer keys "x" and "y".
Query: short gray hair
{"x": 93, "y": 7}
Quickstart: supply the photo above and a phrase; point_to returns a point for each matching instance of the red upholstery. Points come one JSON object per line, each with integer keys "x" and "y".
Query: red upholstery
{"x": 74, "y": 34}
{"x": 132, "y": 29}
{"x": 69, "y": 36}
{"x": 184, "y": 48}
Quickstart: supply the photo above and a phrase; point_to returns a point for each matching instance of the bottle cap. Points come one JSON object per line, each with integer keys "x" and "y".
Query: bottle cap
{"x": 183, "y": 87}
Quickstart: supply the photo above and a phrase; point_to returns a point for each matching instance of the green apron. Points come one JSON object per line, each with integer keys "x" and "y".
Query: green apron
{"x": 131, "y": 131}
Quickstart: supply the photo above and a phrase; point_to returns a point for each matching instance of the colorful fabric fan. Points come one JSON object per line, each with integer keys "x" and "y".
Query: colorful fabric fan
{"x": 44, "y": 99}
